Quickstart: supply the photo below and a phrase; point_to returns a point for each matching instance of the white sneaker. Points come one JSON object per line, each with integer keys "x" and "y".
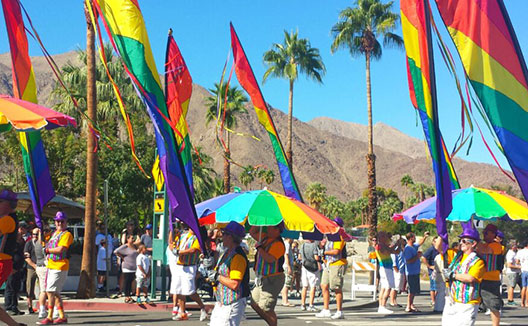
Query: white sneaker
{"x": 303, "y": 307}
{"x": 488, "y": 312}
{"x": 55, "y": 314}
{"x": 312, "y": 308}
{"x": 384, "y": 310}
{"x": 338, "y": 315}
{"x": 203, "y": 315}
{"x": 42, "y": 314}
{"x": 325, "y": 313}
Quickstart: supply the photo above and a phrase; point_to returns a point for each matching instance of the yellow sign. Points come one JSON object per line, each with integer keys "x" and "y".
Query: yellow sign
{"x": 159, "y": 205}
{"x": 157, "y": 174}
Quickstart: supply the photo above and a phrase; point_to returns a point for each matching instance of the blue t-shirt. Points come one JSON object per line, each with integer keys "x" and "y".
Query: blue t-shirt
{"x": 409, "y": 253}
{"x": 399, "y": 261}
{"x": 430, "y": 255}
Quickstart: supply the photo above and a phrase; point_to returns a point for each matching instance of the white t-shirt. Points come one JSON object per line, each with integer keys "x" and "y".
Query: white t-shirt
{"x": 511, "y": 257}
{"x": 143, "y": 261}
{"x": 101, "y": 259}
{"x": 522, "y": 257}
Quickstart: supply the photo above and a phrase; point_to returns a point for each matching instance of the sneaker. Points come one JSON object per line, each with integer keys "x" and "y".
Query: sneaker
{"x": 138, "y": 301}
{"x": 488, "y": 312}
{"x": 325, "y": 313}
{"x": 512, "y": 303}
{"x": 181, "y": 317}
{"x": 174, "y": 312}
{"x": 55, "y": 314}
{"x": 203, "y": 314}
{"x": 338, "y": 315}
{"x": 384, "y": 310}
{"x": 45, "y": 321}
{"x": 303, "y": 307}
{"x": 60, "y": 321}
{"x": 312, "y": 308}
{"x": 147, "y": 300}
{"x": 42, "y": 314}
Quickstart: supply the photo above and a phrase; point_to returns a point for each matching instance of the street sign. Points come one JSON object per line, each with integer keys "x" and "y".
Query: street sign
{"x": 158, "y": 175}
{"x": 159, "y": 205}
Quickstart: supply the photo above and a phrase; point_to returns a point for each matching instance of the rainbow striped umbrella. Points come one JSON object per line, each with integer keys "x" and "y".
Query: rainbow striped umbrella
{"x": 479, "y": 203}
{"x": 264, "y": 208}
{"x": 27, "y": 116}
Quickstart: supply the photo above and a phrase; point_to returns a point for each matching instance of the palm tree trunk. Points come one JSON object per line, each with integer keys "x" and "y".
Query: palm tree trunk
{"x": 86, "y": 288}
{"x": 289, "y": 150}
{"x": 371, "y": 160}
{"x": 227, "y": 168}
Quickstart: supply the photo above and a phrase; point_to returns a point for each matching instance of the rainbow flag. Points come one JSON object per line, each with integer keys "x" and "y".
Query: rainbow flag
{"x": 415, "y": 17}
{"x": 178, "y": 90}
{"x": 493, "y": 61}
{"x": 126, "y": 29}
{"x": 24, "y": 87}
{"x": 247, "y": 80}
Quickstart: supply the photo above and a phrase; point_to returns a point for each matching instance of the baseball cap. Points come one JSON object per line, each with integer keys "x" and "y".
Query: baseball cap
{"x": 148, "y": 227}
{"x": 60, "y": 216}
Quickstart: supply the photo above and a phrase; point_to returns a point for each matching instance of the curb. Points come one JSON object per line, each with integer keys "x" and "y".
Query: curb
{"x": 111, "y": 306}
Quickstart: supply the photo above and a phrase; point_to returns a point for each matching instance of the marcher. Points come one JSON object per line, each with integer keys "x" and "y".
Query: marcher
{"x": 31, "y": 260}
{"x": 465, "y": 275}
{"x": 269, "y": 261}
{"x": 428, "y": 259}
{"x": 288, "y": 273}
{"x": 310, "y": 272}
{"x": 8, "y": 234}
{"x": 232, "y": 270}
{"x": 399, "y": 274}
{"x": 513, "y": 272}
{"x": 522, "y": 260}
{"x": 490, "y": 250}
{"x": 101, "y": 265}
{"x": 412, "y": 268}
{"x": 383, "y": 254}
{"x": 333, "y": 274}
{"x": 128, "y": 253}
{"x": 142, "y": 274}
{"x": 58, "y": 266}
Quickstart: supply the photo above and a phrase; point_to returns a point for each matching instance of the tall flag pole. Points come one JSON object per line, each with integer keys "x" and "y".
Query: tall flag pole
{"x": 493, "y": 62}
{"x": 178, "y": 90}
{"x": 416, "y": 27}
{"x": 24, "y": 87}
{"x": 126, "y": 29}
{"x": 247, "y": 80}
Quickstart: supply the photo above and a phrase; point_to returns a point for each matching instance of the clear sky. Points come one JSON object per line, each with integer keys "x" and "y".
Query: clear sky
{"x": 201, "y": 29}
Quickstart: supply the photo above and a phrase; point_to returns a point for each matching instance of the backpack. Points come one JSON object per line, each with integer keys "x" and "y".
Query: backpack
{"x": 309, "y": 262}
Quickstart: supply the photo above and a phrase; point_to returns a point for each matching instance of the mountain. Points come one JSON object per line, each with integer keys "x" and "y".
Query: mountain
{"x": 328, "y": 151}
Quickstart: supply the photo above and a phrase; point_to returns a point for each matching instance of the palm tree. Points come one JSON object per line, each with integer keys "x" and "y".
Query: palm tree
{"x": 315, "y": 194}
{"x": 287, "y": 60}
{"x": 203, "y": 176}
{"x": 358, "y": 30}
{"x": 247, "y": 176}
{"x": 235, "y": 104}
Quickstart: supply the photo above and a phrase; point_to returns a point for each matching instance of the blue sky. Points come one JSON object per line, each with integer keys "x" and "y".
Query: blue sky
{"x": 201, "y": 29}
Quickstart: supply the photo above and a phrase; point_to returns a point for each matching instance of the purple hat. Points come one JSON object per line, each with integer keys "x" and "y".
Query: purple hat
{"x": 60, "y": 216}
{"x": 500, "y": 234}
{"x": 8, "y": 195}
{"x": 233, "y": 228}
{"x": 471, "y": 234}
{"x": 339, "y": 221}
{"x": 492, "y": 228}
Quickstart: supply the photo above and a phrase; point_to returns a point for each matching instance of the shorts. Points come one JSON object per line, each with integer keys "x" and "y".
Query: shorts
{"x": 460, "y": 314}
{"x": 491, "y": 296}
{"x": 266, "y": 293}
{"x": 183, "y": 279}
{"x": 310, "y": 279}
{"x": 414, "y": 283}
{"x": 386, "y": 278}
{"x": 101, "y": 273}
{"x": 41, "y": 273}
{"x": 230, "y": 315}
{"x": 142, "y": 282}
{"x": 6, "y": 267}
{"x": 513, "y": 279}
{"x": 399, "y": 281}
{"x": 333, "y": 276}
{"x": 432, "y": 283}
{"x": 524, "y": 279}
{"x": 55, "y": 280}
{"x": 31, "y": 279}
{"x": 288, "y": 280}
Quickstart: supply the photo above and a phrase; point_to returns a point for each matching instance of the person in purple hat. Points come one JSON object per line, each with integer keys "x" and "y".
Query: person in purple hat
{"x": 464, "y": 275}
{"x": 232, "y": 278}
{"x": 58, "y": 266}
{"x": 333, "y": 275}
{"x": 491, "y": 251}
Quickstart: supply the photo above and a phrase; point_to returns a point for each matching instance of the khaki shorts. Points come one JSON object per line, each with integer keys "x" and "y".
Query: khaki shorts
{"x": 333, "y": 276}
{"x": 288, "y": 280}
{"x": 265, "y": 295}
{"x": 31, "y": 279}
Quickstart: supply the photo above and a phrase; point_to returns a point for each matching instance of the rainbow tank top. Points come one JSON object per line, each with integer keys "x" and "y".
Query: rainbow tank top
{"x": 224, "y": 295}
{"x": 384, "y": 258}
{"x": 264, "y": 268}
{"x": 53, "y": 243}
{"x": 460, "y": 291}
{"x": 191, "y": 259}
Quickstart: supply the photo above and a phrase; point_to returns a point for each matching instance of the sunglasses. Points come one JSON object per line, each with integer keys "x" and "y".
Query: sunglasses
{"x": 34, "y": 234}
{"x": 467, "y": 241}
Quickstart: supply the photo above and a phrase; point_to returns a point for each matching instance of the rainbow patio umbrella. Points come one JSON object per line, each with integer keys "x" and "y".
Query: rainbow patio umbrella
{"x": 26, "y": 116}
{"x": 264, "y": 208}
{"x": 479, "y": 203}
